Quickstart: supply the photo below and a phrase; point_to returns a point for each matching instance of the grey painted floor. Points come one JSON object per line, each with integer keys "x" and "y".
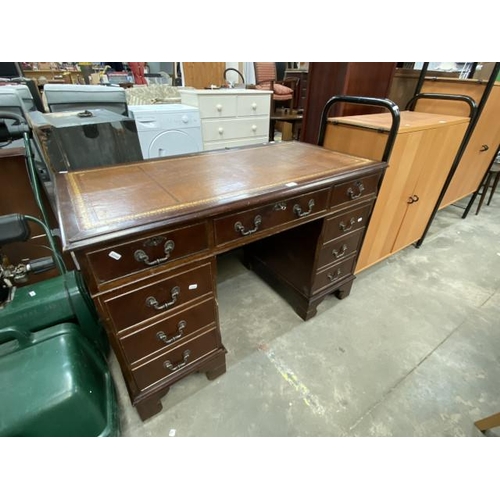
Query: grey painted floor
{"x": 413, "y": 351}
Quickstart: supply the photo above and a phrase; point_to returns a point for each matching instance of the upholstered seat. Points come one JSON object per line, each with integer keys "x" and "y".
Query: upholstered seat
{"x": 266, "y": 79}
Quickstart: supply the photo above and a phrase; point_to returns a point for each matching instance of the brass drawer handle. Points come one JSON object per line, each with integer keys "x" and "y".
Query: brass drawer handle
{"x": 185, "y": 356}
{"x": 360, "y": 187}
{"x": 281, "y": 205}
{"x": 298, "y": 211}
{"x": 339, "y": 253}
{"x": 240, "y": 228}
{"x": 179, "y": 333}
{"x": 345, "y": 228}
{"x": 335, "y": 275}
{"x": 142, "y": 256}
{"x": 152, "y": 302}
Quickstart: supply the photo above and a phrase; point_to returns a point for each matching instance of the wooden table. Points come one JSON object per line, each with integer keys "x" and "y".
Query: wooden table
{"x": 293, "y": 118}
{"x": 147, "y": 234}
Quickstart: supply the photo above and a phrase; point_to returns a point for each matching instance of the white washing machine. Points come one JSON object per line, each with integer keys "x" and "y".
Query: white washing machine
{"x": 167, "y": 129}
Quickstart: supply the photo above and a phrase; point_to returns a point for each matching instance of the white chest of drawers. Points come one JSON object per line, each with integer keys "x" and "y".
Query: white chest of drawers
{"x": 231, "y": 117}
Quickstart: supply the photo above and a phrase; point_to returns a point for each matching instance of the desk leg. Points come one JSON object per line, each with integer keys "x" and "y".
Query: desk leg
{"x": 216, "y": 367}
{"x": 344, "y": 290}
{"x": 151, "y": 406}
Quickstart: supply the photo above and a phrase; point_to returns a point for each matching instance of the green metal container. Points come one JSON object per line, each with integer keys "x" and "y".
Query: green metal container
{"x": 55, "y": 383}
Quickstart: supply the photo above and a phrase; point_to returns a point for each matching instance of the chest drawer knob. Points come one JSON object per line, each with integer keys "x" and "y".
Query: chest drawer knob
{"x": 254, "y": 128}
{"x": 221, "y": 130}
{"x": 152, "y": 302}
{"x": 345, "y": 228}
{"x": 339, "y": 253}
{"x": 298, "y": 210}
{"x": 142, "y": 256}
{"x": 360, "y": 188}
{"x": 240, "y": 228}
{"x": 218, "y": 107}
{"x": 185, "y": 356}
{"x": 254, "y": 105}
{"x": 335, "y": 275}
{"x": 180, "y": 332}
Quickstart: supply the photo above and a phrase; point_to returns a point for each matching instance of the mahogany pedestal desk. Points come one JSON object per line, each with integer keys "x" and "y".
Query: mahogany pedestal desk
{"x": 146, "y": 236}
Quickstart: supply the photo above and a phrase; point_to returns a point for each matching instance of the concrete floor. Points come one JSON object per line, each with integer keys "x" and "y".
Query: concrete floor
{"x": 413, "y": 351}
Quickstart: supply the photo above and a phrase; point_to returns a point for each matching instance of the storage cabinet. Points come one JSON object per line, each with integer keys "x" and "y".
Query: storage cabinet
{"x": 424, "y": 150}
{"x": 231, "y": 117}
{"x": 484, "y": 140}
{"x": 326, "y": 79}
{"x": 300, "y": 95}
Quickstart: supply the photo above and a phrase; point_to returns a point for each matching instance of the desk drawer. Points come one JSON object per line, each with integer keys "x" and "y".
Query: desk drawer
{"x": 346, "y": 222}
{"x": 340, "y": 248}
{"x": 217, "y": 106}
{"x": 354, "y": 190}
{"x": 158, "y": 296}
{"x": 134, "y": 256}
{"x": 243, "y": 224}
{"x": 168, "y": 333}
{"x": 176, "y": 360}
{"x": 333, "y": 274}
{"x": 237, "y": 128}
{"x": 251, "y": 105}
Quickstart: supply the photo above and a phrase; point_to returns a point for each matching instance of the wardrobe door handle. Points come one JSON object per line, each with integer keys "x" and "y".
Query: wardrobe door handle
{"x": 415, "y": 198}
{"x": 484, "y": 148}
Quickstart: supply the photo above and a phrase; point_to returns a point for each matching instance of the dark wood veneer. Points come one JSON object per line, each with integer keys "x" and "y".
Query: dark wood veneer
{"x": 197, "y": 201}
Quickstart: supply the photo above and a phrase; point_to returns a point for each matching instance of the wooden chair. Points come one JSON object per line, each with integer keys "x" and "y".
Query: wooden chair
{"x": 266, "y": 79}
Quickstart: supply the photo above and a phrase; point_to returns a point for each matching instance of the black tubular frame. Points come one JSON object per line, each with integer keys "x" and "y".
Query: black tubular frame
{"x": 461, "y": 149}
{"x": 367, "y": 101}
{"x": 410, "y": 106}
{"x": 481, "y": 184}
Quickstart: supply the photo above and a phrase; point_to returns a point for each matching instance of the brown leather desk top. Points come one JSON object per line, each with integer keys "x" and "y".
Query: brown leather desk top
{"x": 101, "y": 204}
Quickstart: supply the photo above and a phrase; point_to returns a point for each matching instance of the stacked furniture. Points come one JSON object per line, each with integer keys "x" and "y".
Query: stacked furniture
{"x": 423, "y": 153}
{"x": 231, "y": 117}
{"x": 327, "y": 79}
{"x": 483, "y": 143}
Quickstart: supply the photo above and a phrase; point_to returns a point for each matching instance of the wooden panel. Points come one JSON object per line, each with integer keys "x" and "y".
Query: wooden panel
{"x": 436, "y": 162}
{"x": 168, "y": 333}
{"x": 326, "y": 79}
{"x": 475, "y": 161}
{"x": 185, "y": 355}
{"x": 332, "y": 274}
{"x": 471, "y": 88}
{"x": 354, "y": 190}
{"x": 18, "y": 197}
{"x": 410, "y": 121}
{"x": 161, "y": 247}
{"x": 339, "y": 248}
{"x": 271, "y": 216}
{"x": 131, "y": 306}
{"x": 346, "y": 222}
{"x": 203, "y": 74}
{"x": 405, "y": 82}
{"x": 95, "y": 204}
